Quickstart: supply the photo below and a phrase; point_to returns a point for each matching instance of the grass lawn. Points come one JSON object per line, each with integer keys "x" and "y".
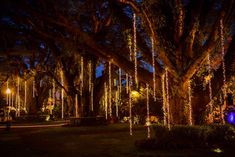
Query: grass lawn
{"x": 100, "y": 141}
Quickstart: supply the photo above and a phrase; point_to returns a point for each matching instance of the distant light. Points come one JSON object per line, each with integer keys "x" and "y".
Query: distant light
{"x": 8, "y": 91}
{"x": 135, "y": 94}
{"x": 217, "y": 150}
{"x": 231, "y": 117}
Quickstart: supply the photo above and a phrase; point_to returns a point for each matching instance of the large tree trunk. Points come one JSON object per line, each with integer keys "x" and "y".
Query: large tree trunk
{"x": 178, "y": 102}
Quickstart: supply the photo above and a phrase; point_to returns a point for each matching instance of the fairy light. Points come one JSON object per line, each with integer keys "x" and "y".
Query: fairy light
{"x": 76, "y": 105}
{"x": 40, "y": 83}
{"x": 25, "y": 94}
{"x": 12, "y": 99}
{"x": 62, "y": 95}
{"x": 7, "y": 93}
{"x": 164, "y": 100}
{"x": 148, "y": 118}
{"x": 90, "y": 74}
{"x": 116, "y": 102}
{"x": 168, "y": 101}
{"x": 110, "y": 91}
{"x": 210, "y": 105}
{"x": 81, "y": 76}
{"x": 106, "y": 100}
{"x": 127, "y": 83}
{"x": 190, "y": 119}
{"x": 18, "y": 96}
{"x": 120, "y": 82}
{"x": 130, "y": 108}
{"x": 92, "y": 97}
{"x": 53, "y": 92}
{"x": 223, "y": 67}
{"x": 33, "y": 87}
{"x": 154, "y": 71}
{"x": 134, "y": 48}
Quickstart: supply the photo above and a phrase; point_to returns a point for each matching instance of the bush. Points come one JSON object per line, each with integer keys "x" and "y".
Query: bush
{"x": 210, "y": 136}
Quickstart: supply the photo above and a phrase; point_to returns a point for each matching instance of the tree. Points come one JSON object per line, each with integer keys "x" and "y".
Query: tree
{"x": 184, "y": 34}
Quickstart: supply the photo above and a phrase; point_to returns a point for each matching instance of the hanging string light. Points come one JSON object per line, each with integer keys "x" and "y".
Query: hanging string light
{"x": 164, "y": 100}
{"x": 40, "y": 83}
{"x": 76, "y": 105}
{"x": 25, "y": 95}
{"x": 116, "y": 102}
{"x": 210, "y": 105}
{"x": 168, "y": 100}
{"x": 106, "y": 100}
{"x": 135, "y": 48}
{"x": 190, "y": 119}
{"x": 224, "y": 71}
{"x": 127, "y": 83}
{"x": 110, "y": 90}
{"x": 18, "y": 96}
{"x": 90, "y": 74}
{"x": 148, "y": 118}
{"x": 81, "y": 76}
{"x": 130, "y": 107}
{"x": 33, "y": 87}
{"x": 120, "y": 83}
{"x": 62, "y": 94}
{"x": 53, "y": 92}
{"x": 92, "y": 96}
{"x": 154, "y": 71}
{"x": 7, "y": 93}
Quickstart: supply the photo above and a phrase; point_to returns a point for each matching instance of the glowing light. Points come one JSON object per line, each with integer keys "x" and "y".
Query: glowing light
{"x": 92, "y": 98}
{"x": 81, "y": 76}
{"x": 33, "y": 87}
{"x": 135, "y": 94}
{"x": 130, "y": 108}
{"x": 190, "y": 103}
{"x": 231, "y": 117}
{"x": 76, "y": 105}
{"x": 217, "y": 150}
{"x": 224, "y": 71}
{"x": 12, "y": 99}
{"x": 110, "y": 90}
{"x": 127, "y": 83}
{"x": 25, "y": 94}
{"x": 148, "y": 118}
{"x": 120, "y": 83}
{"x": 53, "y": 92}
{"x": 18, "y": 96}
{"x": 164, "y": 100}
{"x": 62, "y": 94}
{"x": 40, "y": 83}
{"x": 106, "y": 100}
{"x": 210, "y": 104}
{"x": 134, "y": 48}
{"x": 168, "y": 101}
{"x": 222, "y": 50}
{"x": 154, "y": 72}
{"x": 116, "y": 102}
{"x": 8, "y": 91}
{"x": 90, "y": 74}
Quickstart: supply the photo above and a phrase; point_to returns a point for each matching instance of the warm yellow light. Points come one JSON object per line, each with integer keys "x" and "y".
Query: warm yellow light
{"x": 135, "y": 94}
{"x": 8, "y": 91}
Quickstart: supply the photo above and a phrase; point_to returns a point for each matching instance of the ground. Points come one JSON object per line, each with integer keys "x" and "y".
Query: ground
{"x": 101, "y": 141}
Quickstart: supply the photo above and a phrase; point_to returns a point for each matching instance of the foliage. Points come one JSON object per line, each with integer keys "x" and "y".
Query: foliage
{"x": 210, "y": 136}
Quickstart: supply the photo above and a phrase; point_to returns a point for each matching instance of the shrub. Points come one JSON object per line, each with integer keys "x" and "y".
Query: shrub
{"x": 209, "y": 136}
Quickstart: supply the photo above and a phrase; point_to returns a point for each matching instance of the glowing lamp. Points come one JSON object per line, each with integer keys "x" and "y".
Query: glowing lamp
{"x": 135, "y": 94}
{"x": 8, "y": 91}
{"x": 231, "y": 117}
